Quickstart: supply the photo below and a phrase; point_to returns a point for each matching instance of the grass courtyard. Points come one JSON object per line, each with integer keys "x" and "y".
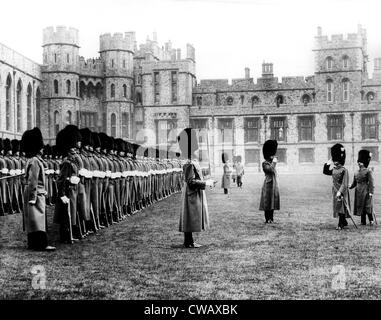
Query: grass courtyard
{"x": 300, "y": 256}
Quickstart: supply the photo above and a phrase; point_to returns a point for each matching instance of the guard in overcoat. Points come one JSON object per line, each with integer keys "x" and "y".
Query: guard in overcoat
{"x": 5, "y": 207}
{"x": 13, "y": 205}
{"x": 194, "y": 216}
{"x": 66, "y": 214}
{"x": 270, "y": 199}
{"x": 364, "y": 183}
{"x": 340, "y": 179}
{"x": 35, "y": 192}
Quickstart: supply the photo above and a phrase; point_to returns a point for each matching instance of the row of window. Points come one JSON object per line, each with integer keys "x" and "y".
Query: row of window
{"x": 330, "y": 62}
{"x": 90, "y": 120}
{"x": 90, "y": 89}
{"x": 19, "y": 105}
{"x": 305, "y": 155}
{"x": 278, "y": 128}
{"x": 156, "y": 87}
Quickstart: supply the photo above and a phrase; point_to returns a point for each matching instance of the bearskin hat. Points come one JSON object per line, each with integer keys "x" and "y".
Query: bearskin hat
{"x": 364, "y": 157}
{"x": 106, "y": 142}
{"x": 86, "y": 136}
{"x": 7, "y": 145}
{"x": 269, "y": 149}
{"x": 119, "y": 145}
{"x": 225, "y": 157}
{"x": 188, "y": 142}
{"x": 32, "y": 142}
{"x": 54, "y": 151}
{"x": 95, "y": 140}
{"x": 47, "y": 150}
{"x": 338, "y": 153}
{"x": 68, "y": 138}
{"x": 15, "y": 145}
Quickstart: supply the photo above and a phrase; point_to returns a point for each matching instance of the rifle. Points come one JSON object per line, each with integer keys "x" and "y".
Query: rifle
{"x": 373, "y": 213}
{"x": 70, "y": 227}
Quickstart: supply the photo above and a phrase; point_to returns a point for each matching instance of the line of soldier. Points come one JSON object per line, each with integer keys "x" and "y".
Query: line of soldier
{"x": 92, "y": 179}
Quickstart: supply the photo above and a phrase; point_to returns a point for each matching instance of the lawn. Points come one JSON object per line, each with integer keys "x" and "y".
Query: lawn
{"x": 300, "y": 256}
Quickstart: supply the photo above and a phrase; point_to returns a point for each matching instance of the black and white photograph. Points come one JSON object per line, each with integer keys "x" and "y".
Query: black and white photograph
{"x": 190, "y": 150}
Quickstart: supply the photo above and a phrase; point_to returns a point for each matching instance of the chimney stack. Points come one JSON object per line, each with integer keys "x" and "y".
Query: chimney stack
{"x": 247, "y": 73}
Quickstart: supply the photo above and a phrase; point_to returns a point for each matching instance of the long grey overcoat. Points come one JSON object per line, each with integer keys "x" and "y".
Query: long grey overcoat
{"x": 34, "y": 214}
{"x": 270, "y": 199}
{"x": 363, "y": 181}
{"x": 194, "y": 216}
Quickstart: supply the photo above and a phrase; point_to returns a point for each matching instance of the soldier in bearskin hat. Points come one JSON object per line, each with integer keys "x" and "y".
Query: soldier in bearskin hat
{"x": 18, "y": 193}
{"x": 87, "y": 172}
{"x": 270, "y": 199}
{"x": 363, "y": 183}
{"x": 7, "y": 147}
{"x": 35, "y": 191}
{"x": 194, "y": 215}
{"x": 3, "y": 183}
{"x": 66, "y": 215}
{"x": 340, "y": 178}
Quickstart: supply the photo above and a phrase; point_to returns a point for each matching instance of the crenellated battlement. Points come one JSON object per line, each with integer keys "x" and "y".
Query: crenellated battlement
{"x": 91, "y": 66}
{"x": 60, "y": 35}
{"x": 117, "y": 41}
{"x": 340, "y": 41}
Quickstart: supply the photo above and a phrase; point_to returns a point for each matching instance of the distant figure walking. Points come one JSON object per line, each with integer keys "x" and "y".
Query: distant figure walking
{"x": 226, "y": 177}
{"x": 239, "y": 170}
{"x": 364, "y": 184}
{"x": 270, "y": 199}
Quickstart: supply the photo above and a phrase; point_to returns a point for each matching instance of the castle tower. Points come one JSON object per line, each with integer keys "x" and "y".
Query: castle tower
{"x": 340, "y": 66}
{"x": 117, "y": 53}
{"x": 60, "y": 74}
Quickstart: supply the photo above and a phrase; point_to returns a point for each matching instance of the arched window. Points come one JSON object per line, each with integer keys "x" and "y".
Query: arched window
{"x": 229, "y": 101}
{"x": 306, "y": 99}
{"x": 90, "y": 90}
{"x": 98, "y": 90}
{"x": 113, "y": 125}
{"x": 125, "y": 125}
{"x": 68, "y": 117}
{"x": 29, "y": 108}
{"x": 56, "y": 122}
{"x": 77, "y": 89}
{"x": 199, "y": 101}
{"x": 279, "y": 100}
{"x": 55, "y": 86}
{"x": 112, "y": 63}
{"x": 345, "y": 90}
{"x": 68, "y": 87}
{"x": 18, "y": 106}
{"x": 38, "y": 108}
{"x": 8, "y": 99}
{"x": 124, "y": 91}
{"x": 370, "y": 96}
{"x": 138, "y": 97}
{"x": 329, "y": 63}
{"x": 329, "y": 90}
{"x": 345, "y": 62}
{"x": 82, "y": 89}
{"x": 242, "y": 98}
{"x": 254, "y": 101}
{"x": 112, "y": 93}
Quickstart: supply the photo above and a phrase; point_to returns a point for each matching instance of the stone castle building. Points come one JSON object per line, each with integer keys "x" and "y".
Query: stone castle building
{"x": 149, "y": 94}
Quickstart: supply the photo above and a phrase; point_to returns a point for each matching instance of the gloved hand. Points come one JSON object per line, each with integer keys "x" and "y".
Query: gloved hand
{"x": 370, "y": 195}
{"x": 209, "y": 183}
{"x": 65, "y": 200}
{"x": 275, "y": 159}
{"x": 338, "y": 194}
